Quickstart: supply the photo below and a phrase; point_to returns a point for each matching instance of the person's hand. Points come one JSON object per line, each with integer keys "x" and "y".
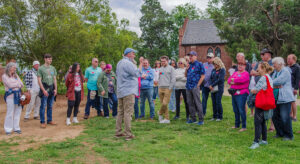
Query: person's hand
{"x": 103, "y": 93}
{"x": 187, "y": 66}
{"x": 253, "y": 91}
{"x": 211, "y": 88}
{"x": 55, "y": 92}
{"x": 144, "y": 76}
{"x": 253, "y": 73}
{"x": 141, "y": 60}
{"x": 45, "y": 93}
{"x": 155, "y": 82}
{"x": 231, "y": 82}
{"x": 295, "y": 92}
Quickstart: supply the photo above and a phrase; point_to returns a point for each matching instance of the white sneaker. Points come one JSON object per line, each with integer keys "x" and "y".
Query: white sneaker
{"x": 75, "y": 120}
{"x": 68, "y": 122}
{"x": 254, "y": 145}
{"x": 160, "y": 117}
{"x": 165, "y": 121}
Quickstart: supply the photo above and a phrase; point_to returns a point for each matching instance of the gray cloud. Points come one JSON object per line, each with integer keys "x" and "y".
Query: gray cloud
{"x": 130, "y": 9}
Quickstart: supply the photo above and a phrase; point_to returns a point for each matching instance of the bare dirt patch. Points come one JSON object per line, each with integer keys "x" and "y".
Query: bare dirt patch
{"x": 33, "y": 136}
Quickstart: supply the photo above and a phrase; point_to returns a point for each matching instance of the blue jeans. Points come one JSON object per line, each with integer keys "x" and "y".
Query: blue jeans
{"x": 114, "y": 99}
{"x": 205, "y": 94}
{"x": 147, "y": 94}
{"x": 155, "y": 93}
{"x": 238, "y": 104}
{"x": 136, "y": 108}
{"x": 217, "y": 104}
{"x": 46, "y": 101}
{"x": 282, "y": 120}
{"x": 94, "y": 103}
{"x": 172, "y": 105}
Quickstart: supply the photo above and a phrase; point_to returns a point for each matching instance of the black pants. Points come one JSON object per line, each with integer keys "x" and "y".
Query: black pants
{"x": 74, "y": 104}
{"x": 178, "y": 93}
{"x": 260, "y": 125}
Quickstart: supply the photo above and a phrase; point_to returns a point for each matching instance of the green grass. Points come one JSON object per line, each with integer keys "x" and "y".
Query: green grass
{"x": 215, "y": 142}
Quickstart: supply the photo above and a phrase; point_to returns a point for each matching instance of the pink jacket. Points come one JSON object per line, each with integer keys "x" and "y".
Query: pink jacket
{"x": 140, "y": 85}
{"x": 241, "y": 82}
{"x": 11, "y": 82}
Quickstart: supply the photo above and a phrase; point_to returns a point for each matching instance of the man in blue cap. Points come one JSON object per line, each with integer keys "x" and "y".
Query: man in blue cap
{"x": 127, "y": 89}
{"x": 195, "y": 74}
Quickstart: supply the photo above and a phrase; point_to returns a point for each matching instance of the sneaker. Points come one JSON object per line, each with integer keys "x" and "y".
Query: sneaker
{"x": 129, "y": 138}
{"x": 165, "y": 121}
{"x": 8, "y": 133}
{"x": 141, "y": 116}
{"x": 277, "y": 136}
{"x": 218, "y": 120}
{"x": 119, "y": 135}
{"x": 191, "y": 122}
{"x": 75, "y": 120}
{"x": 107, "y": 117}
{"x": 287, "y": 139}
{"x": 212, "y": 119}
{"x": 176, "y": 118}
{"x": 26, "y": 119}
{"x": 68, "y": 122}
{"x": 18, "y": 131}
{"x": 262, "y": 142}
{"x": 254, "y": 145}
{"x": 43, "y": 125}
{"x": 86, "y": 117}
{"x": 294, "y": 119}
{"x": 200, "y": 123}
{"x": 36, "y": 118}
{"x": 160, "y": 117}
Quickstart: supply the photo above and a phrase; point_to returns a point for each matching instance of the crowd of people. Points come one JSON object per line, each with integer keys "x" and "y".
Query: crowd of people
{"x": 126, "y": 91}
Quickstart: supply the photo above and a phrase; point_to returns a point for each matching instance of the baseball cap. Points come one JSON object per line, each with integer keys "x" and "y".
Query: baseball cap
{"x": 266, "y": 50}
{"x": 128, "y": 50}
{"x": 36, "y": 62}
{"x": 193, "y": 53}
{"x": 211, "y": 55}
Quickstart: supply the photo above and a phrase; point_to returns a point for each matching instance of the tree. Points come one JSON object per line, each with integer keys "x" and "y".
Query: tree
{"x": 178, "y": 15}
{"x": 252, "y": 25}
{"x": 155, "y": 25}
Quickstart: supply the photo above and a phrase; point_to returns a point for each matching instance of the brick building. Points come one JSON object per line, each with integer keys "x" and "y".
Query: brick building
{"x": 202, "y": 36}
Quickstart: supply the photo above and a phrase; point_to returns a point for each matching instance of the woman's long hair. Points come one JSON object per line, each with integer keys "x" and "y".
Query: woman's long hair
{"x": 219, "y": 62}
{"x": 8, "y": 67}
{"x": 74, "y": 68}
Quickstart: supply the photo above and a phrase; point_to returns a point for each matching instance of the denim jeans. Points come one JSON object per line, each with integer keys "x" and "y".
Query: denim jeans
{"x": 172, "y": 102}
{"x": 136, "y": 108}
{"x": 238, "y": 104}
{"x": 217, "y": 104}
{"x": 94, "y": 103}
{"x": 46, "y": 101}
{"x": 147, "y": 94}
{"x": 282, "y": 120}
{"x": 155, "y": 93}
{"x": 114, "y": 99}
{"x": 205, "y": 94}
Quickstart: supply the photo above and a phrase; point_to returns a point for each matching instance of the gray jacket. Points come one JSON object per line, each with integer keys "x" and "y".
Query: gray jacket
{"x": 180, "y": 78}
{"x": 283, "y": 79}
{"x": 166, "y": 77}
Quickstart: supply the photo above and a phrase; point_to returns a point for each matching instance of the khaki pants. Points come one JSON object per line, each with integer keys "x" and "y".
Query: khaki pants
{"x": 35, "y": 103}
{"x": 164, "y": 96}
{"x": 125, "y": 112}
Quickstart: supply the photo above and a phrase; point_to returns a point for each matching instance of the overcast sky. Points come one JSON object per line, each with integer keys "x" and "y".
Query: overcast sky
{"x": 130, "y": 9}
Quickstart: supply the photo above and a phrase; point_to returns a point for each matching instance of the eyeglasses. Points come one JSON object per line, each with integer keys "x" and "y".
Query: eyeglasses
{"x": 208, "y": 57}
{"x": 180, "y": 63}
{"x": 96, "y": 61}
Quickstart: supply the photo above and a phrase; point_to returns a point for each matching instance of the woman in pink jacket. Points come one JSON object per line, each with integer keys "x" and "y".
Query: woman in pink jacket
{"x": 239, "y": 82}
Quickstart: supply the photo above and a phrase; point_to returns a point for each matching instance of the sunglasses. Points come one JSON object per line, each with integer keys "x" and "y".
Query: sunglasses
{"x": 180, "y": 63}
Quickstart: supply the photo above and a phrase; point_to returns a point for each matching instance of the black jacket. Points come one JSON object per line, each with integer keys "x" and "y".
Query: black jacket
{"x": 295, "y": 76}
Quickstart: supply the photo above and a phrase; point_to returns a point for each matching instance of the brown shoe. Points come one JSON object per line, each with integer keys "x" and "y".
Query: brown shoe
{"x": 43, "y": 125}
{"x": 129, "y": 138}
{"x": 26, "y": 119}
{"x": 86, "y": 117}
{"x": 120, "y": 135}
{"x": 36, "y": 118}
{"x": 51, "y": 123}
{"x": 243, "y": 129}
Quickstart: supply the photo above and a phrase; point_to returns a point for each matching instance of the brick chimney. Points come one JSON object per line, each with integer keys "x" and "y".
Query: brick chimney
{"x": 181, "y": 34}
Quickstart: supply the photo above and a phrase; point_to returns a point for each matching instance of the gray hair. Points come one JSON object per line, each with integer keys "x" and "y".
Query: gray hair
{"x": 240, "y": 54}
{"x": 278, "y": 60}
{"x": 8, "y": 67}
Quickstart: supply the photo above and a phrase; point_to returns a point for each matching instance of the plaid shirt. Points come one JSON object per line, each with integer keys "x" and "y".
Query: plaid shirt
{"x": 28, "y": 78}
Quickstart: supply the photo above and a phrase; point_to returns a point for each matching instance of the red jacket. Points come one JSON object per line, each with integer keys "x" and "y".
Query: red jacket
{"x": 70, "y": 84}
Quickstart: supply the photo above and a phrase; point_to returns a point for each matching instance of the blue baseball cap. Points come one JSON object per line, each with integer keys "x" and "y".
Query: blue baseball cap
{"x": 128, "y": 50}
{"x": 193, "y": 53}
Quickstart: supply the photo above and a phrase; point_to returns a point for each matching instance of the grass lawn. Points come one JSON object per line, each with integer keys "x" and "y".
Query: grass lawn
{"x": 214, "y": 142}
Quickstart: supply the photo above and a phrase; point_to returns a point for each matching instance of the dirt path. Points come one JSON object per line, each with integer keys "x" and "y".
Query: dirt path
{"x": 33, "y": 136}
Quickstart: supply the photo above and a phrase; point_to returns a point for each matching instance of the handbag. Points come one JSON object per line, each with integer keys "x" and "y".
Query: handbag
{"x": 215, "y": 89}
{"x": 232, "y": 91}
{"x": 25, "y": 98}
{"x": 265, "y": 98}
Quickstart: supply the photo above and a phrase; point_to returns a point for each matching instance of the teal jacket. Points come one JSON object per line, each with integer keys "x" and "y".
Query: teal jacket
{"x": 102, "y": 83}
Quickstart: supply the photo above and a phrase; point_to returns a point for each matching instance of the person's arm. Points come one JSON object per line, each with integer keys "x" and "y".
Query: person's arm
{"x": 282, "y": 78}
{"x": 67, "y": 81}
{"x": 99, "y": 84}
{"x": 221, "y": 76}
{"x": 242, "y": 79}
{"x": 86, "y": 75}
{"x": 150, "y": 75}
{"x": 229, "y": 79}
{"x": 55, "y": 85}
{"x": 132, "y": 70}
{"x": 42, "y": 87}
{"x": 173, "y": 79}
{"x": 259, "y": 85}
{"x": 297, "y": 79}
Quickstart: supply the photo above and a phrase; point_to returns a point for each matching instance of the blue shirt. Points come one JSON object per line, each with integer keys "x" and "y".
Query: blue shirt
{"x": 92, "y": 75}
{"x": 127, "y": 78}
{"x": 148, "y": 81}
{"x": 208, "y": 68}
{"x": 194, "y": 73}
